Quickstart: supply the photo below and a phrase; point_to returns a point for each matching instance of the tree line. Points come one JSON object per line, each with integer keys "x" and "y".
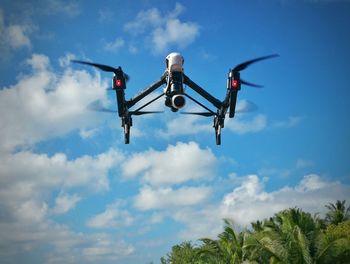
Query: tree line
{"x": 290, "y": 236}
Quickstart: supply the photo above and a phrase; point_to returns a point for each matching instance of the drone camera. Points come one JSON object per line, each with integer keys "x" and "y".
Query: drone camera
{"x": 178, "y": 101}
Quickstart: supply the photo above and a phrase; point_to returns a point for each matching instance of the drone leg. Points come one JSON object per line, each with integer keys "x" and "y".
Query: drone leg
{"x": 217, "y": 127}
{"x": 126, "y": 124}
{"x": 218, "y": 135}
{"x": 126, "y": 134}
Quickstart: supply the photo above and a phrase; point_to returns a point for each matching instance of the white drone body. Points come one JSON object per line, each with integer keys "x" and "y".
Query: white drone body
{"x": 174, "y": 62}
{"x": 174, "y": 66}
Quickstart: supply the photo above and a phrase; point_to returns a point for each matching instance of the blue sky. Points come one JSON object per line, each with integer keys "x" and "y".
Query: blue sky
{"x": 71, "y": 191}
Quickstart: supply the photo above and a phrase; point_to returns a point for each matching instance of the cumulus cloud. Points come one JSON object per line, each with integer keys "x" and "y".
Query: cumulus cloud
{"x": 65, "y": 202}
{"x": 186, "y": 125}
{"x": 194, "y": 124}
{"x": 239, "y": 125}
{"x": 164, "y": 198}
{"x": 115, "y": 45}
{"x": 107, "y": 249}
{"x": 250, "y": 202}
{"x": 114, "y": 216}
{"x": 301, "y": 164}
{"x": 46, "y": 104}
{"x": 14, "y": 36}
{"x": 291, "y": 122}
{"x": 69, "y": 8}
{"x": 172, "y": 165}
{"x": 27, "y": 184}
{"x": 163, "y": 31}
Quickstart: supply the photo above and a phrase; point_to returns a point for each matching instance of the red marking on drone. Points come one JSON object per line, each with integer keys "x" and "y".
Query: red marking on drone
{"x": 234, "y": 83}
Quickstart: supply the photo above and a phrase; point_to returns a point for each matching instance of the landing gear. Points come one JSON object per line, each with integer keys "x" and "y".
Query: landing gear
{"x": 218, "y": 135}
{"x": 126, "y": 124}
{"x": 126, "y": 134}
{"x": 218, "y": 124}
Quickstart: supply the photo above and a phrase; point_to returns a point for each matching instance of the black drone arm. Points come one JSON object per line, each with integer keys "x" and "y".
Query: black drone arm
{"x": 146, "y": 91}
{"x": 195, "y": 87}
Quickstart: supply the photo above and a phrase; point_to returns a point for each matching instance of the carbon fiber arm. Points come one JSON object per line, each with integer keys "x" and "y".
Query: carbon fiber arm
{"x": 195, "y": 87}
{"x": 146, "y": 91}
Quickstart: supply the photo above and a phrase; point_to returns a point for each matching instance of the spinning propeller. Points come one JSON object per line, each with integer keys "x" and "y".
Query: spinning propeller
{"x": 97, "y": 106}
{"x": 105, "y": 68}
{"x": 236, "y": 70}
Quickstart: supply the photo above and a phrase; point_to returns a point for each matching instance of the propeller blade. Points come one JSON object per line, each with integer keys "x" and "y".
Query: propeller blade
{"x": 244, "y": 65}
{"x": 103, "y": 67}
{"x": 251, "y": 84}
{"x": 145, "y": 112}
{"x": 198, "y": 113}
{"x": 98, "y": 107}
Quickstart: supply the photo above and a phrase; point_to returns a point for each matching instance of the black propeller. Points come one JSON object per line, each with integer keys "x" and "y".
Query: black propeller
{"x": 105, "y": 68}
{"x": 98, "y": 107}
{"x": 145, "y": 112}
{"x": 251, "y": 84}
{"x": 199, "y": 113}
{"x": 244, "y": 65}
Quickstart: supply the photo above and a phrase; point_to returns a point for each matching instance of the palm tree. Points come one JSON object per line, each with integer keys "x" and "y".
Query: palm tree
{"x": 227, "y": 249}
{"x": 185, "y": 253}
{"x": 337, "y": 212}
{"x": 288, "y": 237}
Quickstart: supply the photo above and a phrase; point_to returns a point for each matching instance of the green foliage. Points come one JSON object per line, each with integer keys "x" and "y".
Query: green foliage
{"x": 290, "y": 236}
{"x": 185, "y": 253}
{"x": 337, "y": 212}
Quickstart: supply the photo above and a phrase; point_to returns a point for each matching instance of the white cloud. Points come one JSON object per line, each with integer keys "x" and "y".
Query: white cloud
{"x": 240, "y": 126}
{"x": 70, "y": 8}
{"x": 88, "y": 133}
{"x": 27, "y": 184}
{"x": 45, "y": 104}
{"x": 105, "y": 15}
{"x": 65, "y": 61}
{"x": 186, "y": 125}
{"x": 168, "y": 198}
{"x": 174, "y": 33}
{"x": 114, "y": 216}
{"x": 14, "y": 36}
{"x": 144, "y": 19}
{"x": 115, "y": 45}
{"x": 194, "y": 124}
{"x": 162, "y": 31}
{"x": 249, "y": 202}
{"x": 105, "y": 248}
{"x": 301, "y": 164}
{"x": 65, "y": 202}
{"x": 172, "y": 165}
{"x": 291, "y": 122}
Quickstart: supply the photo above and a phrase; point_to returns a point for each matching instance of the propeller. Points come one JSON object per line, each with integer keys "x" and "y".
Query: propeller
{"x": 244, "y": 65}
{"x": 103, "y": 67}
{"x": 145, "y": 112}
{"x": 244, "y": 106}
{"x": 251, "y": 84}
{"x": 199, "y": 113}
{"x": 98, "y": 107}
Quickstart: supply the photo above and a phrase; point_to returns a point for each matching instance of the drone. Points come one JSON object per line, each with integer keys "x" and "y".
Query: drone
{"x": 174, "y": 92}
